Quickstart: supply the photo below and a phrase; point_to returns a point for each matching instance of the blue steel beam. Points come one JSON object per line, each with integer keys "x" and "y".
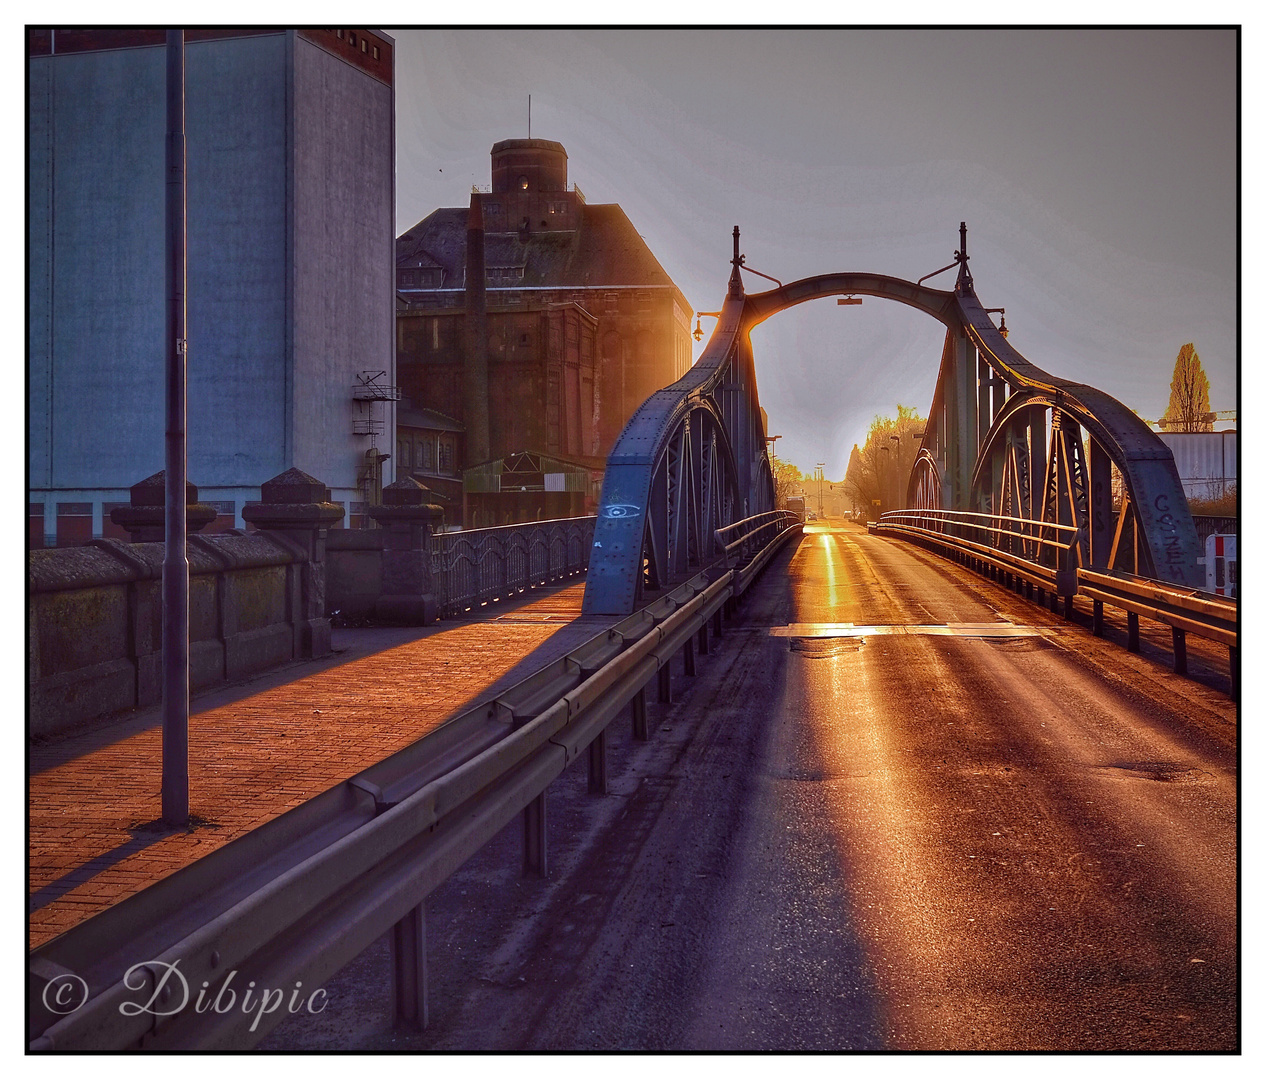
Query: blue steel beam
{"x": 991, "y": 404}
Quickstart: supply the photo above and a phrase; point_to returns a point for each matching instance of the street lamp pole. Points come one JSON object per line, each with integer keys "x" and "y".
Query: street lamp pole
{"x": 885, "y": 480}
{"x": 175, "y": 561}
{"x": 896, "y": 473}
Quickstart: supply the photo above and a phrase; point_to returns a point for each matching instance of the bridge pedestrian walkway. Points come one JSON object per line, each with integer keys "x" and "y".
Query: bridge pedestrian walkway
{"x": 261, "y": 748}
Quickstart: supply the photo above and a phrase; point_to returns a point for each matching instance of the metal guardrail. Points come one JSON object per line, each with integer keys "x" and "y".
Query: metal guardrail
{"x": 754, "y": 540}
{"x": 1184, "y": 610}
{"x": 295, "y": 900}
{"x": 746, "y": 537}
{"x": 479, "y": 565}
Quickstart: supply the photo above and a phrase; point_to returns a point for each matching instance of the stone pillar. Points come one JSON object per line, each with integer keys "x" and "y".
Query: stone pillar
{"x": 295, "y": 509}
{"x": 407, "y": 519}
{"x": 145, "y": 520}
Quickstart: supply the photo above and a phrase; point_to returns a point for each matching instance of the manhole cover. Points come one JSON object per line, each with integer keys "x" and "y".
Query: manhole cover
{"x": 822, "y": 648}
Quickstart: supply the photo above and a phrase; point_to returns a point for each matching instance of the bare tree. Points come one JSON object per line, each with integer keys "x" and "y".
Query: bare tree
{"x": 786, "y": 477}
{"x": 879, "y": 471}
{"x": 1188, "y": 394}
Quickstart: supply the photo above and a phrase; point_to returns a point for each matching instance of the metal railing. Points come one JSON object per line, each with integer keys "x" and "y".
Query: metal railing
{"x": 476, "y": 566}
{"x": 750, "y": 543}
{"x": 976, "y": 539}
{"x": 1023, "y": 536}
{"x": 298, "y": 898}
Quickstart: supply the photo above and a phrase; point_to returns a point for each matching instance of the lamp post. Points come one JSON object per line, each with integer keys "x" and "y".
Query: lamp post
{"x": 821, "y": 471}
{"x": 896, "y": 473}
{"x": 175, "y": 791}
{"x": 885, "y": 480}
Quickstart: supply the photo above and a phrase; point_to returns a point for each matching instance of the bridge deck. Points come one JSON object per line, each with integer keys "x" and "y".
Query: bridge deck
{"x": 259, "y": 749}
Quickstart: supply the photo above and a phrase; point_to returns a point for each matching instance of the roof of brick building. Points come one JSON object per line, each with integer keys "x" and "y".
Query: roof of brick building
{"x": 606, "y": 250}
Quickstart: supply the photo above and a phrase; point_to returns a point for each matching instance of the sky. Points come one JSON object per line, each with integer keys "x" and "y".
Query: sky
{"x": 1096, "y": 170}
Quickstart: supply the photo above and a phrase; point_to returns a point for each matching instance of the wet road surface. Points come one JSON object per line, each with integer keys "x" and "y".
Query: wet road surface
{"x": 906, "y": 838}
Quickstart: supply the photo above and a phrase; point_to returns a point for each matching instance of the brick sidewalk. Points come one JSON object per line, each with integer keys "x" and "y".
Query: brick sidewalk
{"x": 94, "y": 803}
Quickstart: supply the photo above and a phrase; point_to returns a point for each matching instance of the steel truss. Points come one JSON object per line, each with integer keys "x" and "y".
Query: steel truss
{"x": 1003, "y": 437}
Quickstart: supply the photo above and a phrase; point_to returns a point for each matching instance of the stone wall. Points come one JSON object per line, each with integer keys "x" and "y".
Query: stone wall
{"x": 353, "y": 571}
{"x": 95, "y": 622}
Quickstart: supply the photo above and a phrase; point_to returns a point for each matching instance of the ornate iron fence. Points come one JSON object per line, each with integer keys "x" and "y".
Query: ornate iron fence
{"x": 476, "y": 566}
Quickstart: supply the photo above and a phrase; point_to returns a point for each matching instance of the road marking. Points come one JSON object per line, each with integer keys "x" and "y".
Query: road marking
{"x": 964, "y": 630}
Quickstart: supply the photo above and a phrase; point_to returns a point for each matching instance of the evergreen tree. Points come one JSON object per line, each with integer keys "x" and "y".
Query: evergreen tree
{"x": 1188, "y": 394}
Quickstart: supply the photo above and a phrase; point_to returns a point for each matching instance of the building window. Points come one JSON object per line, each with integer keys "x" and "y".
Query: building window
{"x": 435, "y": 332}
{"x": 351, "y": 40}
{"x": 426, "y": 454}
{"x": 446, "y": 456}
{"x": 505, "y": 273}
{"x": 523, "y": 183}
{"x": 375, "y": 52}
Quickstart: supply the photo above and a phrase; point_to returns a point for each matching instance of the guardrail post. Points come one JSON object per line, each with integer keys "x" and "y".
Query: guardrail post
{"x": 408, "y": 969}
{"x": 1180, "y": 650}
{"x": 1068, "y": 607}
{"x": 535, "y": 859}
{"x": 598, "y": 764}
{"x": 666, "y": 684}
{"x": 716, "y": 625}
{"x": 703, "y": 640}
{"x": 688, "y": 656}
{"x": 638, "y": 707}
{"x": 1132, "y": 631}
{"x": 1098, "y": 624}
{"x": 1235, "y": 671}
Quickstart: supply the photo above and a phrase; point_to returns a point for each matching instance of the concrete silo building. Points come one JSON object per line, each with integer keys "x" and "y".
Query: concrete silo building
{"x": 291, "y": 196}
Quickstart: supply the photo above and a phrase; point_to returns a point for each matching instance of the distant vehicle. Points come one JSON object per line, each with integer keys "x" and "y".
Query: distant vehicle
{"x": 795, "y": 503}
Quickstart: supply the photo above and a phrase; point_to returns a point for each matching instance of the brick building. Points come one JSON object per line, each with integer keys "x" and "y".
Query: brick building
{"x": 529, "y": 322}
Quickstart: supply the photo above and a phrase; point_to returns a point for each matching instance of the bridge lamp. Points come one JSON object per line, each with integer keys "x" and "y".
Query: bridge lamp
{"x": 698, "y": 330}
{"x": 848, "y": 300}
{"x": 1002, "y": 327}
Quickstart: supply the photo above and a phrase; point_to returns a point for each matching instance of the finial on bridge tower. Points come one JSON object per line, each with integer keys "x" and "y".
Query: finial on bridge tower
{"x": 964, "y": 275}
{"x": 736, "y": 279}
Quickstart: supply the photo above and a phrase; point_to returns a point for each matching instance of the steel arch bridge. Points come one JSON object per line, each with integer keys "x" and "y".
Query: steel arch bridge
{"x": 1003, "y": 437}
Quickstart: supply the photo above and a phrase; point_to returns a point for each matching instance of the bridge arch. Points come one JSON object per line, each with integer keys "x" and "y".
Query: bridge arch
{"x": 938, "y": 303}
{"x": 985, "y": 447}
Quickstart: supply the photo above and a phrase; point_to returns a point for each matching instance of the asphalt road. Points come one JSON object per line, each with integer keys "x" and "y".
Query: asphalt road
{"x": 900, "y": 839}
